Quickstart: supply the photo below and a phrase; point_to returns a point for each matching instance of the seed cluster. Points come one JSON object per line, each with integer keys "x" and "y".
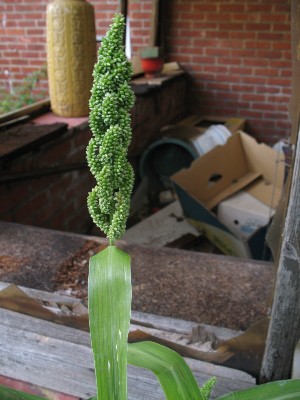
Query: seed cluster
{"x": 110, "y": 123}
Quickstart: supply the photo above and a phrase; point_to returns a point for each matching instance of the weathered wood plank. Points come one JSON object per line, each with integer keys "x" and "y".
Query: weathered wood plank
{"x": 44, "y": 296}
{"x": 21, "y": 322}
{"x": 60, "y": 358}
{"x": 178, "y": 325}
{"x": 138, "y": 318}
{"x": 284, "y": 327}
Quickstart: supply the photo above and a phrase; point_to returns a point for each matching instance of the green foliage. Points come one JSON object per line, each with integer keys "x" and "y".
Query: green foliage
{"x": 23, "y": 94}
{"x": 174, "y": 375}
{"x": 110, "y": 103}
{"x": 12, "y": 394}
{"x": 109, "y": 300}
{"x": 279, "y": 390}
{"x": 207, "y": 388}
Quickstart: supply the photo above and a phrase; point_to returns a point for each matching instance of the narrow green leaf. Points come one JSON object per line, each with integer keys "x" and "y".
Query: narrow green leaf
{"x": 174, "y": 375}
{"x": 109, "y": 300}
{"x": 12, "y": 394}
{"x": 279, "y": 390}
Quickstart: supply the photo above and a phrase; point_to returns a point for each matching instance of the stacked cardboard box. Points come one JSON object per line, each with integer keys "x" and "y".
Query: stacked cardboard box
{"x": 241, "y": 164}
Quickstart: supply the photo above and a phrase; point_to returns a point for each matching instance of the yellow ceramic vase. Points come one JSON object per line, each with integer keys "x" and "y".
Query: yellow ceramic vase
{"x": 71, "y": 55}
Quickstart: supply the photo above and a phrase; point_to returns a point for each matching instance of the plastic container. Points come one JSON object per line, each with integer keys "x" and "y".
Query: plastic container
{"x": 165, "y": 157}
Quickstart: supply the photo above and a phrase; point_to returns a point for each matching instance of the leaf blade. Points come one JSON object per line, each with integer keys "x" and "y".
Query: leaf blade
{"x": 109, "y": 302}
{"x": 278, "y": 390}
{"x": 7, "y": 393}
{"x": 174, "y": 375}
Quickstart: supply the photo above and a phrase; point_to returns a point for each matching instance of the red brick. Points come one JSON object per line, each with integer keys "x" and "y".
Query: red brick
{"x": 232, "y": 61}
{"x": 267, "y": 71}
{"x": 268, "y": 89}
{"x": 275, "y": 17}
{"x": 36, "y": 31}
{"x": 269, "y": 54}
{"x": 246, "y": 16}
{"x": 11, "y": 31}
{"x": 259, "y": 8}
{"x": 282, "y": 27}
{"x": 217, "y": 17}
{"x": 240, "y": 70}
{"x": 243, "y": 88}
{"x": 219, "y": 86}
{"x": 281, "y": 46}
{"x": 249, "y": 114}
{"x": 202, "y": 59}
{"x": 279, "y": 82}
{"x": 258, "y": 27}
{"x": 216, "y": 34}
{"x": 286, "y": 73}
{"x": 278, "y": 99}
{"x": 243, "y": 53}
{"x": 204, "y": 25}
{"x": 264, "y": 106}
{"x": 242, "y": 35}
{"x": 186, "y": 33}
{"x": 229, "y": 78}
{"x": 217, "y": 52}
{"x": 232, "y": 8}
{"x": 253, "y": 97}
{"x": 254, "y": 44}
{"x": 270, "y": 36}
{"x": 180, "y": 41}
{"x": 215, "y": 68}
{"x": 182, "y": 7}
{"x": 283, "y": 8}
{"x": 205, "y": 7}
{"x": 254, "y": 80}
{"x": 230, "y": 26}
{"x": 184, "y": 25}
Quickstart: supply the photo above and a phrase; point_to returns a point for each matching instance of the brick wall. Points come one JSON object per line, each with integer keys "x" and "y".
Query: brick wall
{"x": 237, "y": 53}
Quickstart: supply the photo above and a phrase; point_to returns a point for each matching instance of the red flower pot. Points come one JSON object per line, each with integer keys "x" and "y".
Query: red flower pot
{"x": 152, "y": 66}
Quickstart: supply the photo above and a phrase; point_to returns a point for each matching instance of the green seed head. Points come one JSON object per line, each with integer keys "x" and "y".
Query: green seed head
{"x": 110, "y": 123}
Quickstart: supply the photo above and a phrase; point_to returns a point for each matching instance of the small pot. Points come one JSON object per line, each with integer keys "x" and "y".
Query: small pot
{"x": 152, "y": 66}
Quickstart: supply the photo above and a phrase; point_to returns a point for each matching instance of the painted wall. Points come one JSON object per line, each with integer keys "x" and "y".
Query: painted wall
{"x": 236, "y": 52}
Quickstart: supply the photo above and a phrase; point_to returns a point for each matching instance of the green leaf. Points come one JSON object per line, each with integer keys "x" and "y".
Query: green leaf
{"x": 109, "y": 301}
{"x": 12, "y": 394}
{"x": 174, "y": 375}
{"x": 279, "y": 390}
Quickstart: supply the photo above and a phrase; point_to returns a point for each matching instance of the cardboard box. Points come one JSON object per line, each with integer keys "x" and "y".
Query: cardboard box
{"x": 202, "y": 122}
{"x": 241, "y": 163}
{"x": 243, "y": 214}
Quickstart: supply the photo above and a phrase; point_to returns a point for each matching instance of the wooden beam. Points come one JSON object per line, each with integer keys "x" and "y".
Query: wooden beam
{"x": 154, "y": 23}
{"x": 59, "y": 358}
{"x": 284, "y": 327}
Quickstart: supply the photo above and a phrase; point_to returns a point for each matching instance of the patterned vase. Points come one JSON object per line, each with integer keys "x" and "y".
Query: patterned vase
{"x": 71, "y": 55}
